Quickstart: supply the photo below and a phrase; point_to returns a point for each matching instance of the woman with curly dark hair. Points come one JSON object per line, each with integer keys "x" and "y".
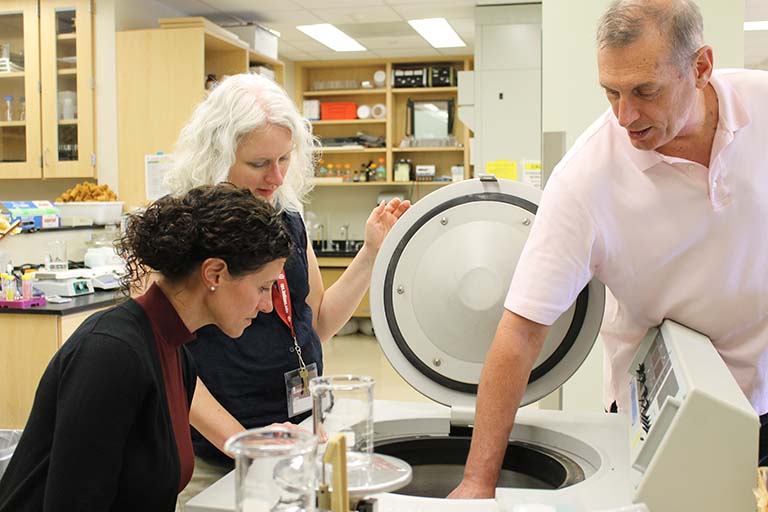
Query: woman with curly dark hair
{"x": 109, "y": 428}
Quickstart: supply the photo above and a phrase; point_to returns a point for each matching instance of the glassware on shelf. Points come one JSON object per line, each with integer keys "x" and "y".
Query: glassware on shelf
{"x": 22, "y": 108}
{"x": 8, "y": 112}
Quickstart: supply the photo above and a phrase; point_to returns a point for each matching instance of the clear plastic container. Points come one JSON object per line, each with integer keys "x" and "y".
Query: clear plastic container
{"x": 27, "y": 285}
{"x": 8, "y": 441}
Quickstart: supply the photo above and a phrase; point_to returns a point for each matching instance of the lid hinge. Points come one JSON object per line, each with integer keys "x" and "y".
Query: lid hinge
{"x": 462, "y": 416}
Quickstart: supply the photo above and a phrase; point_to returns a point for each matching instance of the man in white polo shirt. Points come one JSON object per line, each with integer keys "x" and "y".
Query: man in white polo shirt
{"x": 665, "y": 200}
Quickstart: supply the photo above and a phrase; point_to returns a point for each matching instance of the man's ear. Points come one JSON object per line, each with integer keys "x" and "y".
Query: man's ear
{"x": 704, "y": 65}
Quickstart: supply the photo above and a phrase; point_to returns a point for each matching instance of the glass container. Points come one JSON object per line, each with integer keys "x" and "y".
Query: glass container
{"x": 275, "y": 469}
{"x": 343, "y": 404}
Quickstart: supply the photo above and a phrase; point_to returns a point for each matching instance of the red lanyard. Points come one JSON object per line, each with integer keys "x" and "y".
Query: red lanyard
{"x": 281, "y": 298}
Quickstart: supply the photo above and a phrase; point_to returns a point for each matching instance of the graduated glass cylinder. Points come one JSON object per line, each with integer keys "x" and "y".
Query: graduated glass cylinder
{"x": 275, "y": 470}
{"x": 343, "y": 404}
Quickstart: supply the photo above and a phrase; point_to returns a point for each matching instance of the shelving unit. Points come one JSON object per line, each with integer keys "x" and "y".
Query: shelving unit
{"x": 392, "y": 127}
{"x": 161, "y": 79}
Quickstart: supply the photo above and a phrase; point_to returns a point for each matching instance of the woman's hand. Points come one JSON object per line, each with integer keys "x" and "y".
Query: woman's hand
{"x": 380, "y": 222}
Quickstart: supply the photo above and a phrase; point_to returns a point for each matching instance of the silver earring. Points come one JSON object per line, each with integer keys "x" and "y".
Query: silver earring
{"x": 213, "y": 288}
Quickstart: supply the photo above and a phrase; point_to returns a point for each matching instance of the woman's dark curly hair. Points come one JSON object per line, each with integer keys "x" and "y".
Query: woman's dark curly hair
{"x": 177, "y": 233}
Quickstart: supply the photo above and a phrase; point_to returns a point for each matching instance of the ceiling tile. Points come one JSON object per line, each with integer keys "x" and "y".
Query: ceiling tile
{"x": 288, "y": 33}
{"x": 406, "y": 52}
{"x": 371, "y": 14}
{"x": 289, "y": 18}
{"x": 331, "y": 55}
{"x": 326, "y": 4}
{"x": 308, "y": 45}
{"x": 468, "y": 50}
{"x": 382, "y": 43}
{"x": 245, "y": 6}
{"x": 437, "y": 3}
{"x": 414, "y": 11}
{"x": 398, "y": 28}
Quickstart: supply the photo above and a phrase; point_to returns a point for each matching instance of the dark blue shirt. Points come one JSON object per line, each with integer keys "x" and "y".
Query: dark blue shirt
{"x": 246, "y": 375}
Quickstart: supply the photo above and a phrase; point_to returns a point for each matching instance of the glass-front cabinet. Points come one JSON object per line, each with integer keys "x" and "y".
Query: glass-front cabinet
{"x": 20, "y": 137}
{"x": 46, "y": 85}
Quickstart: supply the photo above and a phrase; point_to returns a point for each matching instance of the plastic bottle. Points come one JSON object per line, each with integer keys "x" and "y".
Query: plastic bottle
{"x": 27, "y": 283}
{"x": 381, "y": 171}
{"x": 8, "y": 114}
{"x": 22, "y": 108}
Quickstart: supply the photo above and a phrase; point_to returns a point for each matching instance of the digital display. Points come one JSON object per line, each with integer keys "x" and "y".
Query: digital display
{"x": 656, "y": 364}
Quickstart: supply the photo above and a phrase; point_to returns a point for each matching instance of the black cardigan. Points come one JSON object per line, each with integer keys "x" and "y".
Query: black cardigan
{"x": 99, "y": 436}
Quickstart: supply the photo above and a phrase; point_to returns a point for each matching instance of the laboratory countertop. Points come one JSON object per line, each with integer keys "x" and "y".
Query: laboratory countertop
{"x": 76, "y": 305}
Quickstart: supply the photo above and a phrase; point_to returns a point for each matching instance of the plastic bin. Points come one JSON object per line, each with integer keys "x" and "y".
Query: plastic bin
{"x": 337, "y": 110}
{"x": 8, "y": 441}
{"x": 101, "y": 212}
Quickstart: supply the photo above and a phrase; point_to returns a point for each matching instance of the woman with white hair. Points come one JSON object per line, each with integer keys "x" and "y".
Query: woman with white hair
{"x": 249, "y": 132}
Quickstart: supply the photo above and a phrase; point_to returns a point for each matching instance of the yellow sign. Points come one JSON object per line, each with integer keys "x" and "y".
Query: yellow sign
{"x": 502, "y": 169}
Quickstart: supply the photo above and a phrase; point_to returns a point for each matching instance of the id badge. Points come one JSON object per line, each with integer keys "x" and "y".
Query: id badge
{"x": 299, "y": 399}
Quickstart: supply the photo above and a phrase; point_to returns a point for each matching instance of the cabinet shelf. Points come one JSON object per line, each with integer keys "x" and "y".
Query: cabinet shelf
{"x": 12, "y": 123}
{"x": 67, "y": 121}
{"x": 68, "y": 71}
{"x": 320, "y": 183}
{"x": 67, "y": 37}
{"x": 418, "y": 149}
{"x": 348, "y": 121}
{"x": 12, "y": 74}
{"x": 343, "y": 92}
{"x": 351, "y": 151}
{"x": 423, "y": 90}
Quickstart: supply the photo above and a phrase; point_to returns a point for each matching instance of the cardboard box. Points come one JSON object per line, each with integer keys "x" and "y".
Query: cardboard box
{"x": 34, "y": 215}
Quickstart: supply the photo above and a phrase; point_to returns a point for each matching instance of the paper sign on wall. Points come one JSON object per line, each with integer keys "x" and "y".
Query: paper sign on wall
{"x": 155, "y": 169}
{"x": 532, "y": 173}
{"x": 502, "y": 169}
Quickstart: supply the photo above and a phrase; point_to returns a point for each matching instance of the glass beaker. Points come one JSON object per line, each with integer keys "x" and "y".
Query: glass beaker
{"x": 343, "y": 404}
{"x": 57, "y": 256}
{"x": 275, "y": 469}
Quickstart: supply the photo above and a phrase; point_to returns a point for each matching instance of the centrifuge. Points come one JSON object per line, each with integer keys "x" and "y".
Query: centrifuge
{"x": 437, "y": 293}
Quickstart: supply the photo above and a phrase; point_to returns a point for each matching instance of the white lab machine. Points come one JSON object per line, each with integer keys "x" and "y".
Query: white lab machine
{"x": 64, "y": 283}
{"x": 437, "y": 292}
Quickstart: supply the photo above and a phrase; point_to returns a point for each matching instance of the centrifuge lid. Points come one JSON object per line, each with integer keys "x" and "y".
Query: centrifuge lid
{"x": 439, "y": 284}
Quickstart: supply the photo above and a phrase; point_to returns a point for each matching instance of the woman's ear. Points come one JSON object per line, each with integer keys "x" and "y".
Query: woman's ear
{"x": 212, "y": 272}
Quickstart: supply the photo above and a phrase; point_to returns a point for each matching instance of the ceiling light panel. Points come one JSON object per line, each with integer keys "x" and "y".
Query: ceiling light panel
{"x": 755, "y": 25}
{"x": 437, "y": 32}
{"x": 332, "y": 37}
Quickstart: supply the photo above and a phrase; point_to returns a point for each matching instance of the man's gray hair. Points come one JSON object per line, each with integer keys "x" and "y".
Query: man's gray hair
{"x": 626, "y": 21}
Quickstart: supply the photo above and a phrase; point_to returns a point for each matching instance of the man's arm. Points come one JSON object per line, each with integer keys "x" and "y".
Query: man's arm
{"x": 210, "y": 418}
{"x": 515, "y": 347}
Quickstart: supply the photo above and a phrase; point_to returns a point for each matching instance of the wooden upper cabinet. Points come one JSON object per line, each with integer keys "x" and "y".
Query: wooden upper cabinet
{"x": 20, "y": 138}
{"x": 46, "y": 89}
{"x": 66, "y": 76}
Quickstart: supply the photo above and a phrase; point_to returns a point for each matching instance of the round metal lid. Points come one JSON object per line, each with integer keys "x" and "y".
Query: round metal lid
{"x": 439, "y": 284}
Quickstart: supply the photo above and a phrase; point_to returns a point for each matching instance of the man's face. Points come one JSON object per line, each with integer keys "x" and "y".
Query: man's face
{"x": 651, "y": 96}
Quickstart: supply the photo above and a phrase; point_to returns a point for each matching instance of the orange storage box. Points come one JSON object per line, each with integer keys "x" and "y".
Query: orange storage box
{"x": 336, "y": 110}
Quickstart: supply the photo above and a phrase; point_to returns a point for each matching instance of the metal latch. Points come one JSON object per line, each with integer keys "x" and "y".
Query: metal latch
{"x": 488, "y": 177}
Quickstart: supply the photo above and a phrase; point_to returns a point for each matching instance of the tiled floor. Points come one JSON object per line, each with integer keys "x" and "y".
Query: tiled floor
{"x": 361, "y": 355}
